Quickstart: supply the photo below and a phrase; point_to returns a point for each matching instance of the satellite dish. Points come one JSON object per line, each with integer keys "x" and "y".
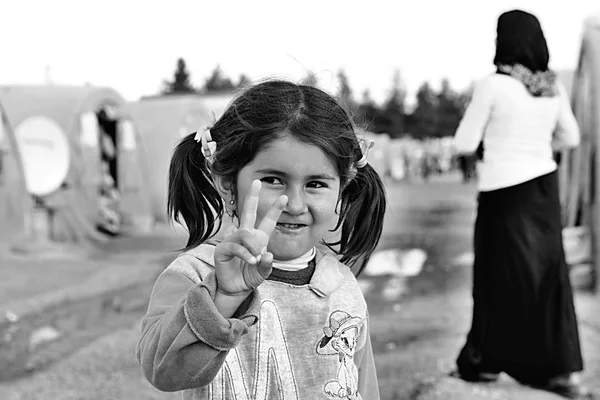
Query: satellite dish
{"x": 45, "y": 154}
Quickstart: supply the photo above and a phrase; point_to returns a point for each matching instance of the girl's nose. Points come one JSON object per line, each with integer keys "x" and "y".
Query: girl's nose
{"x": 296, "y": 202}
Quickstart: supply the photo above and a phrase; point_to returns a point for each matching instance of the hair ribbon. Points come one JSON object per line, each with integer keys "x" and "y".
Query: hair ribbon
{"x": 209, "y": 146}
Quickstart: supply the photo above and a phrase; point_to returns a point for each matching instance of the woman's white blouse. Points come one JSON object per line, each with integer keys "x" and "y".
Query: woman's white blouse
{"x": 519, "y": 131}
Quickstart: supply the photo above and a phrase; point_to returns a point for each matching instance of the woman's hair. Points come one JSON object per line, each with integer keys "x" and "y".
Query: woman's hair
{"x": 258, "y": 116}
{"x": 520, "y": 40}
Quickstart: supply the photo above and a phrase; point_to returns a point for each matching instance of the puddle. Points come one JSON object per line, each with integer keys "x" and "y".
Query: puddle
{"x": 397, "y": 265}
{"x": 465, "y": 259}
{"x": 396, "y": 262}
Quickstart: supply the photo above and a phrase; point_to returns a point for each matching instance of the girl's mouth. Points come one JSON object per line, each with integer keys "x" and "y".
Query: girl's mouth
{"x": 290, "y": 228}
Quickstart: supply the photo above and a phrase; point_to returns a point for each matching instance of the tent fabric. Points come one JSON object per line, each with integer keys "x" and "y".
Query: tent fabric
{"x": 575, "y": 171}
{"x": 586, "y": 104}
{"x": 578, "y": 176}
{"x": 73, "y": 208}
{"x": 163, "y": 122}
{"x": 15, "y": 203}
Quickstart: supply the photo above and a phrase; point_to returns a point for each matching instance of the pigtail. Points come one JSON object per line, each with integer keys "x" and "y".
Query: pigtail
{"x": 363, "y": 210}
{"x": 192, "y": 194}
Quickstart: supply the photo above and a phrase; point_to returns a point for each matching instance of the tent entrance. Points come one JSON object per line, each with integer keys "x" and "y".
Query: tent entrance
{"x": 109, "y": 219}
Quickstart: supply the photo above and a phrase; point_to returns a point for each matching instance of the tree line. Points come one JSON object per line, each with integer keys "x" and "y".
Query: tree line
{"x": 435, "y": 113}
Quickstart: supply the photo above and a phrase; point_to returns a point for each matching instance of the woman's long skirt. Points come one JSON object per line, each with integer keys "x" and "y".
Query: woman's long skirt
{"x": 524, "y": 321}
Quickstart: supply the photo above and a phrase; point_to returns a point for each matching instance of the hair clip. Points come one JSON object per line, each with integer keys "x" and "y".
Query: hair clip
{"x": 365, "y": 145}
{"x": 209, "y": 146}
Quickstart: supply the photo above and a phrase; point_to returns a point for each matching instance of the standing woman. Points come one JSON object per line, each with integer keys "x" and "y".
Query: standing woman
{"x": 524, "y": 321}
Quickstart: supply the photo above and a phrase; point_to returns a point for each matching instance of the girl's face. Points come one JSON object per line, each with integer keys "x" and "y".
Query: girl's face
{"x": 311, "y": 182}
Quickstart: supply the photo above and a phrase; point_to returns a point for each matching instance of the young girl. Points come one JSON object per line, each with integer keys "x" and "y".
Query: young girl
{"x": 266, "y": 313}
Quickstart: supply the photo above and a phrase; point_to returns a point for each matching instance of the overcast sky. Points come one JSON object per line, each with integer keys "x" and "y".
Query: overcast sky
{"x": 132, "y": 46}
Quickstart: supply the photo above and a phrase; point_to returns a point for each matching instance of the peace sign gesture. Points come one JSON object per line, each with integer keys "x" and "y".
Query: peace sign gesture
{"x": 242, "y": 262}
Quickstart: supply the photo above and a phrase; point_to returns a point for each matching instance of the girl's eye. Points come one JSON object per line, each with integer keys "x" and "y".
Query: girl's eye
{"x": 271, "y": 180}
{"x": 317, "y": 184}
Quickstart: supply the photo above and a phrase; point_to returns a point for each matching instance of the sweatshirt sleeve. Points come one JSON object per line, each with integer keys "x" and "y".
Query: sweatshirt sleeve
{"x": 566, "y": 134}
{"x": 184, "y": 339}
{"x": 368, "y": 386}
{"x": 472, "y": 126}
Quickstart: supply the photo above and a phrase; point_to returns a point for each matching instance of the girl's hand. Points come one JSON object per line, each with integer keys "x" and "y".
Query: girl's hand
{"x": 242, "y": 262}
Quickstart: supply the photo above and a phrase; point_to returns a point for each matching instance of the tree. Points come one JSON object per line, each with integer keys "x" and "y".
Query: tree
{"x": 393, "y": 109}
{"x": 423, "y": 120}
{"x": 345, "y": 93}
{"x": 367, "y": 113}
{"x": 243, "y": 81}
{"x": 218, "y": 82}
{"x": 449, "y": 110}
{"x": 181, "y": 80}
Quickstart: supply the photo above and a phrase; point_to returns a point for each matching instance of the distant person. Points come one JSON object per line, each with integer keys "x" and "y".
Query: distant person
{"x": 265, "y": 313}
{"x": 524, "y": 322}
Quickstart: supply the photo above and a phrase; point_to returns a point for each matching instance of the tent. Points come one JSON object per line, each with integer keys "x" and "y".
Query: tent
{"x": 579, "y": 179}
{"x": 82, "y": 159}
{"x": 15, "y": 203}
{"x": 162, "y": 123}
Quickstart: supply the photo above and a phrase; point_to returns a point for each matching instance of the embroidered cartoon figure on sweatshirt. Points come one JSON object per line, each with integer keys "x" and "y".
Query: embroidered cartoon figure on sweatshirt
{"x": 287, "y": 169}
{"x": 341, "y": 337}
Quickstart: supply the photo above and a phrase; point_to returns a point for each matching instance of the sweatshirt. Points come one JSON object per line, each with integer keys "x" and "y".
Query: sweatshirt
{"x": 285, "y": 341}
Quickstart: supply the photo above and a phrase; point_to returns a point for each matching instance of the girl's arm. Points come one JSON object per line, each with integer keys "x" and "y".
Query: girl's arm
{"x": 367, "y": 374}
{"x": 566, "y": 135}
{"x": 184, "y": 338}
{"x": 472, "y": 126}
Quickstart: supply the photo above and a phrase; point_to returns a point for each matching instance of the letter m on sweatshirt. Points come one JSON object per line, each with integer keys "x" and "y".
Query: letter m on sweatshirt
{"x": 271, "y": 366}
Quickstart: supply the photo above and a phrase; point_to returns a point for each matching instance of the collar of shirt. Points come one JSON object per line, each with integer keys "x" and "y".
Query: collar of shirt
{"x": 326, "y": 279}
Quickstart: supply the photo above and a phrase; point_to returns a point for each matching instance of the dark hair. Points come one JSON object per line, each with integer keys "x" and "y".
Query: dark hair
{"x": 520, "y": 40}
{"x": 259, "y": 115}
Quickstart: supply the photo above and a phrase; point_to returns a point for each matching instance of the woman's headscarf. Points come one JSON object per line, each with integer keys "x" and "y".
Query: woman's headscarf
{"x": 520, "y": 40}
{"x": 522, "y": 52}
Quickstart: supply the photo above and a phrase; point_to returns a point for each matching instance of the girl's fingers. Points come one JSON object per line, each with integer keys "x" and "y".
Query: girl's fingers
{"x": 269, "y": 221}
{"x": 254, "y": 277}
{"x": 248, "y": 217}
{"x": 234, "y": 249}
{"x": 255, "y": 241}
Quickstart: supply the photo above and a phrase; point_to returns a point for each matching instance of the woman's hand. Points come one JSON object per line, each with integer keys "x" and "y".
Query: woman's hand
{"x": 242, "y": 262}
